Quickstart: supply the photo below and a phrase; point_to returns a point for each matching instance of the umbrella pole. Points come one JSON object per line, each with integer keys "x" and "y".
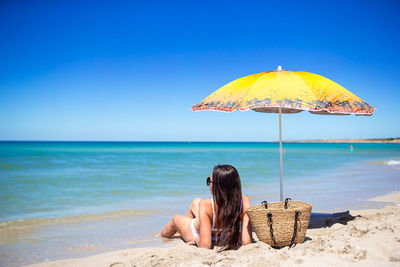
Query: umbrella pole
{"x": 280, "y": 153}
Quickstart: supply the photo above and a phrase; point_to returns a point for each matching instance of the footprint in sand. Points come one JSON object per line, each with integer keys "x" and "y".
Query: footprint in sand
{"x": 298, "y": 261}
{"x": 116, "y": 264}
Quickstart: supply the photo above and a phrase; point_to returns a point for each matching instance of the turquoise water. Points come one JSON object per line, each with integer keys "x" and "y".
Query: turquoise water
{"x": 48, "y": 186}
{"x": 41, "y": 180}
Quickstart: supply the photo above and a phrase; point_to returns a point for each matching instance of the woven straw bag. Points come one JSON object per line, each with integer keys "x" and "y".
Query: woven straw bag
{"x": 280, "y": 223}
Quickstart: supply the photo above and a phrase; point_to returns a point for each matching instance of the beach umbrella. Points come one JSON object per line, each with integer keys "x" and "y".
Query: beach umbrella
{"x": 284, "y": 91}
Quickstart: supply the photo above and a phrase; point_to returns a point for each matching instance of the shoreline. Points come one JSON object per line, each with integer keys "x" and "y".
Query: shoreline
{"x": 345, "y": 141}
{"x": 369, "y": 237}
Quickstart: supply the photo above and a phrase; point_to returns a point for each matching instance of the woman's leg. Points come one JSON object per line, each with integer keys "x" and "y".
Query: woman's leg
{"x": 171, "y": 228}
{"x": 182, "y": 225}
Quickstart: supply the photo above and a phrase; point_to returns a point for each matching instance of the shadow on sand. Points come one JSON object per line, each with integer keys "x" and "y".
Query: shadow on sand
{"x": 320, "y": 220}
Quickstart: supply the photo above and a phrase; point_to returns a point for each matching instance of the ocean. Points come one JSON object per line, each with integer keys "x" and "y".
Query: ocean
{"x": 72, "y": 199}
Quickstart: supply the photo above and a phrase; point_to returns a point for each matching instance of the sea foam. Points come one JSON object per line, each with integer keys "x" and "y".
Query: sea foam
{"x": 393, "y": 162}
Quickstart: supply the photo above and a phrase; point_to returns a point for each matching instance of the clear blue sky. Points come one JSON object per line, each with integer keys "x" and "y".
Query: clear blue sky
{"x": 132, "y": 70}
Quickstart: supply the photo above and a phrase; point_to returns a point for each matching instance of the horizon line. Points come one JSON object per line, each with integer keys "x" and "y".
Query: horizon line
{"x": 211, "y": 141}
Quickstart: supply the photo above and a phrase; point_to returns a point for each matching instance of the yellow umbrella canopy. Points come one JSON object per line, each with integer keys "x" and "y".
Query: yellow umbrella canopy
{"x": 292, "y": 91}
{"x": 285, "y": 91}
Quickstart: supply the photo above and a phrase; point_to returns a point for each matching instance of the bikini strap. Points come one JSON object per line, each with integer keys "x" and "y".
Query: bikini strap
{"x": 212, "y": 204}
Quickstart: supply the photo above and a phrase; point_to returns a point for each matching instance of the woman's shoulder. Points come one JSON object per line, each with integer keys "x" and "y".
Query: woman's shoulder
{"x": 205, "y": 201}
{"x": 205, "y": 204}
{"x": 246, "y": 201}
{"x": 205, "y": 207}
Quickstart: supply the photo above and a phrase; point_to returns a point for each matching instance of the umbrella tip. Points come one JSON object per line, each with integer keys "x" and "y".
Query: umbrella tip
{"x": 279, "y": 68}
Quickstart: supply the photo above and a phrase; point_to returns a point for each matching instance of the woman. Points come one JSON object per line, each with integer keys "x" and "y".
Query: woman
{"x": 222, "y": 218}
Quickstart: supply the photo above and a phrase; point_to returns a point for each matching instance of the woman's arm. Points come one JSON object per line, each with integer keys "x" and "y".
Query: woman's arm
{"x": 205, "y": 224}
{"x": 246, "y": 226}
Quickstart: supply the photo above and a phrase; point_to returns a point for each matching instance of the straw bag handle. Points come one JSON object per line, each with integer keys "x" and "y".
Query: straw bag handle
{"x": 269, "y": 215}
{"x": 265, "y": 203}
{"x": 286, "y": 202}
{"x": 296, "y": 217}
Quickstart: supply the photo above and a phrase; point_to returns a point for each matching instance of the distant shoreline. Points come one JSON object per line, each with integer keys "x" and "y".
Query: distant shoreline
{"x": 356, "y": 140}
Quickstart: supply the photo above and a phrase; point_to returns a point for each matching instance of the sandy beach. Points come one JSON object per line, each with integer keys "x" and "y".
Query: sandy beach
{"x": 368, "y": 237}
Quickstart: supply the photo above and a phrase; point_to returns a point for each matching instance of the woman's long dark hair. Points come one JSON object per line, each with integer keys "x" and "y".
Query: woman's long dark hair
{"x": 227, "y": 192}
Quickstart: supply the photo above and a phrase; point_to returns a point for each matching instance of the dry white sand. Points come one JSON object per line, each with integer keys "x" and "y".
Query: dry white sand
{"x": 365, "y": 238}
